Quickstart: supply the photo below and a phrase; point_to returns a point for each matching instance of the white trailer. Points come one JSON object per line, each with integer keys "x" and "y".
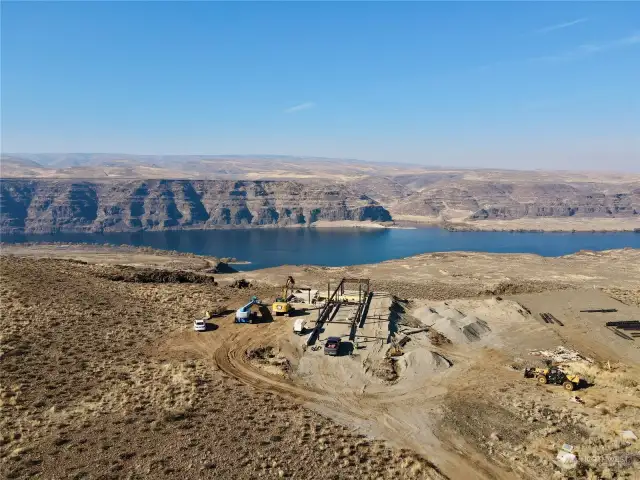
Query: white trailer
{"x": 299, "y": 326}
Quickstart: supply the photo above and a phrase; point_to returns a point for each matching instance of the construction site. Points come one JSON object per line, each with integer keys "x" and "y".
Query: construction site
{"x": 291, "y": 371}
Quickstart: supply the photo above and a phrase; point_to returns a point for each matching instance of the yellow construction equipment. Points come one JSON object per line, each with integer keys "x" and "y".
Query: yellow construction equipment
{"x": 281, "y": 306}
{"x": 395, "y": 350}
{"x": 553, "y": 375}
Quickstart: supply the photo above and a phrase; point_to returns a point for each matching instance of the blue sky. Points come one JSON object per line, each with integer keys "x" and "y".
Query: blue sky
{"x": 505, "y": 84}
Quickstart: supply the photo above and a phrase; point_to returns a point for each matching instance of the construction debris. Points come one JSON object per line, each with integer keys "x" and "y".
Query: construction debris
{"x": 560, "y": 355}
{"x": 632, "y": 327}
{"x": 620, "y": 334}
{"x": 420, "y": 330}
{"x": 437, "y": 338}
{"x": 548, "y": 318}
{"x": 567, "y": 447}
{"x": 600, "y": 310}
{"x": 566, "y": 460}
{"x": 625, "y": 324}
{"x": 628, "y": 435}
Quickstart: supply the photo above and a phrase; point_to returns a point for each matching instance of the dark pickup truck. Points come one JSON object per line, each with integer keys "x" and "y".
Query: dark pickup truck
{"x": 332, "y": 346}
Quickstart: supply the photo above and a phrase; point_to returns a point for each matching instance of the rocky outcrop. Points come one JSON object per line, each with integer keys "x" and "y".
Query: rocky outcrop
{"x": 488, "y": 200}
{"x": 44, "y": 206}
{"x": 562, "y": 201}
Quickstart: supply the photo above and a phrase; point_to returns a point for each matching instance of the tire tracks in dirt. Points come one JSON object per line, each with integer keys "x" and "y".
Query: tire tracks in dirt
{"x": 377, "y": 413}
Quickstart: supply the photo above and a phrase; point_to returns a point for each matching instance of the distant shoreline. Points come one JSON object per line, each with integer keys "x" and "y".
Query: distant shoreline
{"x": 528, "y": 224}
{"x": 164, "y": 258}
{"x": 549, "y": 225}
{"x": 322, "y": 224}
{"x": 522, "y": 225}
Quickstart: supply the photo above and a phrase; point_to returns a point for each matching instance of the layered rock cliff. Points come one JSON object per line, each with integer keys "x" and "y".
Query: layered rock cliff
{"x": 479, "y": 200}
{"x": 44, "y": 206}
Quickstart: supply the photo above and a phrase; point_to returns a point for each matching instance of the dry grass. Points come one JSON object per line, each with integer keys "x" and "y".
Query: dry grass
{"x": 626, "y": 296}
{"x": 525, "y": 424}
{"x": 83, "y": 396}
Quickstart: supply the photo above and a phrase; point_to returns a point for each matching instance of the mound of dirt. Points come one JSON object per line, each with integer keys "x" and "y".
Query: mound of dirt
{"x": 240, "y": 283}
{"x": 445, "y": 311}
{"x": 525, "y": 286}
{"x": 421, "y": 362}
{"x": 426, "y": 316}
{"x": 221, "y": 267}
{"x": 463, "y": 330}
{"x": 474, "y": 328}
{"x": 268, "y": 359}
{"x": 152, "y": 275}
{"x": 436, "y": 290}
{"x": 261, "y": 353}
{"x": 386, "y": 369}
{"x": 436, "y": 338}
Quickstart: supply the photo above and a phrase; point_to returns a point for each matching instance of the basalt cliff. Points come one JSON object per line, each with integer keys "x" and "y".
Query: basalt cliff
{"x": 46, "y": 206}
{"x": 445, "y": 198}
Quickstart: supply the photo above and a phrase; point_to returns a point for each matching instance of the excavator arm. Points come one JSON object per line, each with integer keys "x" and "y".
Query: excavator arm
{"x": 281, "y": 306}
{"x": 247, "y": 307}
{"x": 289, "y": 285}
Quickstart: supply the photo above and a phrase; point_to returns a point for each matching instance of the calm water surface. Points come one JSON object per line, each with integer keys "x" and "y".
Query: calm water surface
{"x": 340, "y": 247}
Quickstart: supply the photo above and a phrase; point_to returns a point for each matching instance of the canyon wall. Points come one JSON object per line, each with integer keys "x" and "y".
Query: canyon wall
{"x": 479, "y": 200}
{"x": 45, "y": 206}
{"x": 51, "y": 205}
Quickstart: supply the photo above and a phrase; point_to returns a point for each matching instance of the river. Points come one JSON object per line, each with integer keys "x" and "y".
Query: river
{"x": 340, "y": 247}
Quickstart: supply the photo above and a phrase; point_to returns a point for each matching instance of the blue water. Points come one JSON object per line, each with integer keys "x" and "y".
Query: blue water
{"x": 340, "y": 247}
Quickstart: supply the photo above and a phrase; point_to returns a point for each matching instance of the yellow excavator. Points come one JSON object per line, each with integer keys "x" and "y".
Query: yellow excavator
{"x": 396, "y": 349}
{"x": 281, "y": 306}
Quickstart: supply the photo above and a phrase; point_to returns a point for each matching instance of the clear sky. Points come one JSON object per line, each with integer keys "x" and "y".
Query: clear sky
{"x": 505, "y": 84}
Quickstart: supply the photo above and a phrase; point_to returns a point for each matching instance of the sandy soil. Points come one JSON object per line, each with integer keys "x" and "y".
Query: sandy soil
{"x": 346, "y": 224}
{"x": 85, "y": 392}
{"x": 430, "y": 275}
{"x": 359, "y": 224}
{"x": 113, "y": 255}
{"x": 569, "y": 224}
{"x": 537, "y": 224}
{"x": 87, "y": 359}
{"x": 431, "y": 401}
{"x": 459, "y": 274}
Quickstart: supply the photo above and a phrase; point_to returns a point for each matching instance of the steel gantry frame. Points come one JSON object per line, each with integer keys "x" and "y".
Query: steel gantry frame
{"x": 364, "y": 291}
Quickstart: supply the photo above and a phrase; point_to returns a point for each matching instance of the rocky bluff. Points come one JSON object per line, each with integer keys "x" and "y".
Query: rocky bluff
{"x": 44, "y": 206}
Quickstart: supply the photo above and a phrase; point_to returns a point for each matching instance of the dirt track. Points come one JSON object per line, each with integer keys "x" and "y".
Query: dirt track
{"x": 229, "y": 352}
